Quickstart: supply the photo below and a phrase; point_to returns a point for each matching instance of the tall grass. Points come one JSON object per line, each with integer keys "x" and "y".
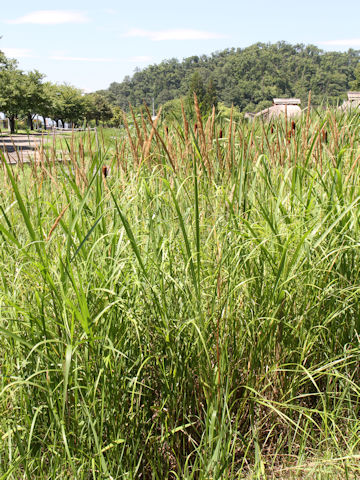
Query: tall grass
{"x": 193, "y": 313}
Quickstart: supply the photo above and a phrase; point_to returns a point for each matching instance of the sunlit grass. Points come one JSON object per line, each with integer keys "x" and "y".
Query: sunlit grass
{"x": 191, "y": 314}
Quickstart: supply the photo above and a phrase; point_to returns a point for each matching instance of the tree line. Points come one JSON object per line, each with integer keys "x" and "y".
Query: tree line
{"x": 248, "y": 78}
{"x": 26, "y": 94}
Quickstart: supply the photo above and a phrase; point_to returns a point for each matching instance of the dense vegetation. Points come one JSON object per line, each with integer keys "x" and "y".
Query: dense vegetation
{"x": 248, "y": 78}
{"x": 188, "y": 312}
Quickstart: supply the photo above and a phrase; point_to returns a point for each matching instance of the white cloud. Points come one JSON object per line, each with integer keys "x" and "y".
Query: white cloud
{"x": 173, "y": 34}
{"x": 52, "y": 17}
{"x": 140, "y": 59}
{"x": 17, "y": 52}
{"x": 60, "y": 56}
{"x": 345, "y": 42}
{"x": 82, "y": 59}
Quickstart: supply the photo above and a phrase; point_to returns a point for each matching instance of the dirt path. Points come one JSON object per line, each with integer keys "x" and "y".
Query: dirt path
{"x": 20, "y": 147}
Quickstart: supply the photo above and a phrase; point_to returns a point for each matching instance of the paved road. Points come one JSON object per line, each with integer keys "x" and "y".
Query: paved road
{"x": 20, "y": 146}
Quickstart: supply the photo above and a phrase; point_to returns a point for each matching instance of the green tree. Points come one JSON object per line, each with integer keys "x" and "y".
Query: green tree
{"x": 172, "y": 109}
{"x": 196, "y": 85}
{"x": 117, "y": 118}
{"x": 247, "y": 77}
{"x": 13, "y": 86}
{"x": 6, "y": 62}
{"x": 97, "y": 108}
{"x": 35, "y": 97}
{"x": 3, "y": 60}
{"x": 47, "y": 105}
{"x": 69, "y": 104}
{"x": 355, "y": 84}
{"x": 210, "y": 98}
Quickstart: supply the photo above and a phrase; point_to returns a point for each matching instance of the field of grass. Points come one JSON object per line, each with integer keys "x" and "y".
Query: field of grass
{"x": 192, "y": 314}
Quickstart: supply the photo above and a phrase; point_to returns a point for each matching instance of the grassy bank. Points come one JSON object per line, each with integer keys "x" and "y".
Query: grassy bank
{"x": 190, "y": 311}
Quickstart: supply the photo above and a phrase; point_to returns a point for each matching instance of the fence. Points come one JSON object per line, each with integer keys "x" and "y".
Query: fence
{"x": 61, "y": 129}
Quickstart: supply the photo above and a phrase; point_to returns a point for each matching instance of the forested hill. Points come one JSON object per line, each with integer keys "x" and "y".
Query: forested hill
{"x": 249, "y": 78}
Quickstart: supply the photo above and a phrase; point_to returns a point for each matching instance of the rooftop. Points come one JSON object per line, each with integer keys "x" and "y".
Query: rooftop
{"x": 353, "y": 96}
{"x": 286, "y": 101}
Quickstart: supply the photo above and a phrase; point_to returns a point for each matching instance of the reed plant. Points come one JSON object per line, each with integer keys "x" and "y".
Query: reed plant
{"x": 182, "y": 301}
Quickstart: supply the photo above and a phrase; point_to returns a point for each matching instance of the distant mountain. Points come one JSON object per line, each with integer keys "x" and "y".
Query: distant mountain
{"x": 249, "y": 78}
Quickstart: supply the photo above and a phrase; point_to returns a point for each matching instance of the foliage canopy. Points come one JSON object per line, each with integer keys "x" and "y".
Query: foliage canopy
{"x": 248, "y": 78}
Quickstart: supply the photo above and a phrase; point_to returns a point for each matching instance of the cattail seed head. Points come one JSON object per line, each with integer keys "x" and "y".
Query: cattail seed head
{"x": 324, "y": 135}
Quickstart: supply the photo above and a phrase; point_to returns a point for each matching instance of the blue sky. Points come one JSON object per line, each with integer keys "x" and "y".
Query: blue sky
{"x": 90, "y": 43}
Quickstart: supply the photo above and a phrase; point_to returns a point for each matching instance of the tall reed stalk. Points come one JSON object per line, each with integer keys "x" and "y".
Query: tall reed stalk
{"x": 188, "y": 312}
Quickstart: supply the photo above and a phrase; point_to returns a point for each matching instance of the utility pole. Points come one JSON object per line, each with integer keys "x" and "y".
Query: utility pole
{"x": 153, "y": 109}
